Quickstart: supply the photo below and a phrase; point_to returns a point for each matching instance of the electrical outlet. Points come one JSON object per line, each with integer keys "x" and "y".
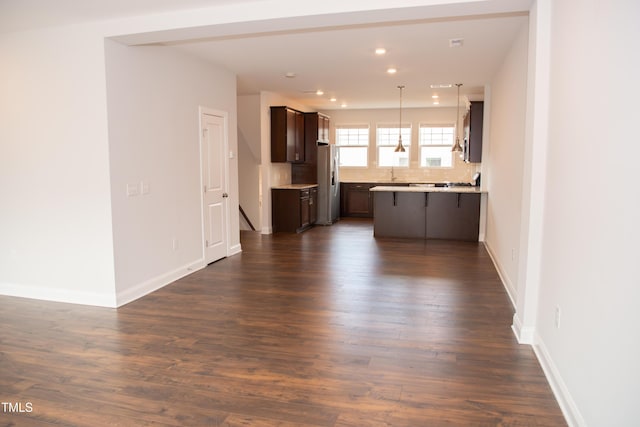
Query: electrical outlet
{"x": 557, "y": 317}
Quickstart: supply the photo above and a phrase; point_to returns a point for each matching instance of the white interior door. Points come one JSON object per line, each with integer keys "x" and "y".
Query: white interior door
{"x": 214, "y": 178}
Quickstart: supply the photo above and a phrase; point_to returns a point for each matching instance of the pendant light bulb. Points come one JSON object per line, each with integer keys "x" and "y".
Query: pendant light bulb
{"x": 457, "y": 147}
{"x": 400, "y": 147}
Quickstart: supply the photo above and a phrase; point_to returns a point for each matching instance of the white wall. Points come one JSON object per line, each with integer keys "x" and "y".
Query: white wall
{"x": 55, "y": 216}
{"x": 589, "y": 263}
{"x": 460, "y": 172}
{"x": 249, "y": 158}
{"x": 154, "y": 93}
{"x": 504, "y": 161}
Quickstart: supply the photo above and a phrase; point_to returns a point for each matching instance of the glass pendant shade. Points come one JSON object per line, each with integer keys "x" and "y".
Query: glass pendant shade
{"x": 457, "y": 147}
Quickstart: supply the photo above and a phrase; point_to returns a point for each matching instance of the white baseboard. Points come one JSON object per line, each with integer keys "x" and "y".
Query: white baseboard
{"x": 508, "y": 286}
{"x": 137, "y": 291}
{"x": 527, "y": 335}
{"x": 111, "y": 300}
{"x": 58, "y": 295}
{"x": 235, "y": 249}
{"x": 524, "y": 334}
{"x": 567, "y": 405}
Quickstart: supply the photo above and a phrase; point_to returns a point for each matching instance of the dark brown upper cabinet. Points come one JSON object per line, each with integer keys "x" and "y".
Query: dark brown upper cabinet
{"x": 287, "y": 135}
{"x": 472, "y": 146}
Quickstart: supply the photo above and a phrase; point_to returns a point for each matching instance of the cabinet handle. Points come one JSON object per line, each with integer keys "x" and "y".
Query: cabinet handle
{"x": 395, "y": 202}
{"x": 426, "y": 200}
{"x": 459, "y": 194}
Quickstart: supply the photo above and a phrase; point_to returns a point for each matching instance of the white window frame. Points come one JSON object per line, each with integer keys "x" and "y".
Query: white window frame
{"x": 387, "y": 137}
{"x": 354, "y": 142}
{"x": 446, "y": 143}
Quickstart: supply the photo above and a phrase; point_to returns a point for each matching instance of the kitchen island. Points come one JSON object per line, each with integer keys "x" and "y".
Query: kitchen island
{"x": 427, "y": 212}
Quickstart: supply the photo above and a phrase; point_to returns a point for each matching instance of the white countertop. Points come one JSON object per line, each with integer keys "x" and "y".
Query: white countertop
{"x": 425, "y": 189}
{"x": 294, "y": 186}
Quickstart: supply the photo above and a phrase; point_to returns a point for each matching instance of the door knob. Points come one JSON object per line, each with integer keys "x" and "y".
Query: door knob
{"x": 225, "y": 195}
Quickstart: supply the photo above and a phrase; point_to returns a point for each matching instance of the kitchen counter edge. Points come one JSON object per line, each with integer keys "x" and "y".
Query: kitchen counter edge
{"x": 420, "y": 189}
{"x": 294, "y": 186}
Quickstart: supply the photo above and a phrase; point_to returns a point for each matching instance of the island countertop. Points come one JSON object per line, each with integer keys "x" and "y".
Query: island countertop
{"x": 294, "y": 186}
{"x": 427, "y": 189}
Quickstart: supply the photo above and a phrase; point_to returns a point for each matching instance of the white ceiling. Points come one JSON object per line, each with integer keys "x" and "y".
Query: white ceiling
{"x": 336, "y": 59}
{"x": 18, "y": 15}
{"x": 341, "y": 62}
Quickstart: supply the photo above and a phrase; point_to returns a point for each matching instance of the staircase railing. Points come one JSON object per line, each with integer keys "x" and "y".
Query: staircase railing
{"x": 246, "y": 218}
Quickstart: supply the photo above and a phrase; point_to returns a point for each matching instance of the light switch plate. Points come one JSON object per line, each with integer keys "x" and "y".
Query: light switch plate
{"x": 132, "y": 190}
{"x": 144, "y": 188}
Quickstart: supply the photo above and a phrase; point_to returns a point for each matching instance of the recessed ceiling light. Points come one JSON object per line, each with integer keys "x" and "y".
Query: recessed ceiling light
{"x": 435, "y": 96}
{"x": 456, "y": 42}
{"x": 441, "y": 86}
{"x": 381, "y": 51}
{"x": 333, "y": 100}
{"x": 436, "y": 102}
{"x": 290, "y": 75}
{"x": 344, "y": 105}
{"x": 319, "y": 92}
{"x": 391, "y": 71}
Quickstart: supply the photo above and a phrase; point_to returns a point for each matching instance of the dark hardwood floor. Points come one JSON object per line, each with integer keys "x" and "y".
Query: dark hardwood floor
{"x": 326, "y": 328}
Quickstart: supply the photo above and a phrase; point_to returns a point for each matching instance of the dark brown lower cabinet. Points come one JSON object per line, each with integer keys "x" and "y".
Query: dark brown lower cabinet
{"x": 356, "y": 200}
{"x": 293, "y": 210}
{"x": 313, "y": 205}
{"x": 451, "y": 216}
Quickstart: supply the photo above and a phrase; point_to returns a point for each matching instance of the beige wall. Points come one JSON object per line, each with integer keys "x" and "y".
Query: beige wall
{"x": 249, "y": 159}
{"x": 504, "y": 161}
{"x": 154, "y": 138}
{"x": 589, "y": 255}
{"x": 55, "y": 219}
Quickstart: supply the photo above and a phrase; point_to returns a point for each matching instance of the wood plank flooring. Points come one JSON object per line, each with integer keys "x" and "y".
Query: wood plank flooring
{"x": 326, "y": 328}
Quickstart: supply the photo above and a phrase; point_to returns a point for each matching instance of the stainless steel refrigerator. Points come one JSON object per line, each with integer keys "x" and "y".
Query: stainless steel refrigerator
{"x": 328, "y": 184}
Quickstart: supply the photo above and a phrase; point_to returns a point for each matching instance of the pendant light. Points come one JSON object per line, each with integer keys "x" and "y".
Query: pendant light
{"x": 400, "y": 147}
{"x": 457, "y": 146}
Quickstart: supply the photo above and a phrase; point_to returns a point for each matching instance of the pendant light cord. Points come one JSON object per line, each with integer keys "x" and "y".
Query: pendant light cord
{"x": 400, "y": 147}
{"x": 456, "y": 145}
{"x": 400, "y": 125}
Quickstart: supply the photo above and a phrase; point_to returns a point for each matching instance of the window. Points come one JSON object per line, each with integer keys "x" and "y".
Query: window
{"x": 435, "y": 146}
{"x": 387, "y": 142}
{"x": 353, "y": 144}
